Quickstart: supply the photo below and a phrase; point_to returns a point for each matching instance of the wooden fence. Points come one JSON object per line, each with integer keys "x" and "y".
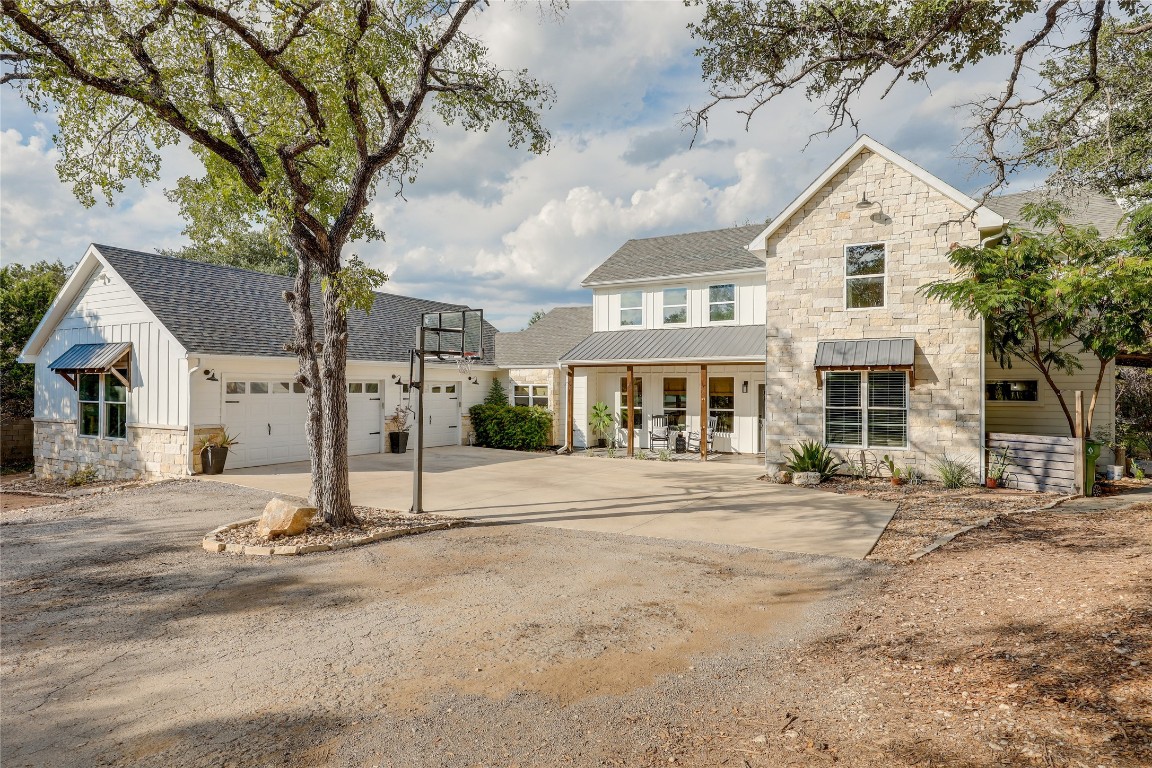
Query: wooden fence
{"x": 1041, "y": 463}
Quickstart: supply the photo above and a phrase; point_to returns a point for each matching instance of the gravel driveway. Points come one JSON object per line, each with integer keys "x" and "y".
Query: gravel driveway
{"x": 126, "y": 644}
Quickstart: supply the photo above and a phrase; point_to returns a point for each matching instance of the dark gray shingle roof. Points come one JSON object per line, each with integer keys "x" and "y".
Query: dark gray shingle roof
{"x": 863, "y": 353}
{"x": 740, "y": 342}
{"x": 218, "y": 310}
{"x": 1084, "y": 208}
{"x": 718, "y": 250}
{"x": 542, "y": 343}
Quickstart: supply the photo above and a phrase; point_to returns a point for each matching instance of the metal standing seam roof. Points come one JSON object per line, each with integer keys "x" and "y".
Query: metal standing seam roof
{"x": 91, "y": 357}
{"x": 213, "y": 309}
{"x": 730, "y": 343}
{"x": 865, "y": 353}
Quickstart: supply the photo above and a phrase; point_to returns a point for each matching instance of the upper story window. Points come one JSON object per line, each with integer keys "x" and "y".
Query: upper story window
{"x": 864, "y": 275}
{"x": 675, "y": 306}
{"x": 103, "y": 402}
{"x": 632, "y": 308}
{"x": 721, "y": 303}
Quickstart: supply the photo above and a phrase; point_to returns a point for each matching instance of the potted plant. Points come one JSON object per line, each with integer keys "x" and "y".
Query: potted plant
{"x": 214, "y": 451}
{"x": 898, "y": 477}
{"x": 997, "y": 468}
{"x": 600, "y": 421}
{"x": 398, "y": 430}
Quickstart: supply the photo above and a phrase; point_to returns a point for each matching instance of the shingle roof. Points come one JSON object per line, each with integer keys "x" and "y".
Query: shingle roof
{"x": 865, "y": 353}
{"x": 740, "y": 342}
{"x": 219, "y": 310}
{"x": 1084, "y": 208}
{"x": 718, "y": 250}
{"x": 542, "y": 343}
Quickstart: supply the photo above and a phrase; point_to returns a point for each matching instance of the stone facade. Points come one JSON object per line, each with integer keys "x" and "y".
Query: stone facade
{"x": 148, "y": 452}
{"x": 549, "y": 377}
{"x": 806, "y": 305}
{"x": 16, "y": 433}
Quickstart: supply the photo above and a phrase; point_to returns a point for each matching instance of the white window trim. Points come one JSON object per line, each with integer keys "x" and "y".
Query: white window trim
{"x": 860, "y": 277}
{"x": 531, "y": 396}
{"x": 686, "y": 305}
{"x": 102, "y": 410}
{"x": 735, "y": 304}
{"x": 622, "y": 309}
{"x": 864, "y": 417}
{"x": 1014, "y": 403}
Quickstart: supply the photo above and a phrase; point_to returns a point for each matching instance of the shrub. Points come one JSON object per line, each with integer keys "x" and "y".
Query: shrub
{"x": 814, "y": 457}
{"x": 954, "y": 473}
{"x": 82, "y": 476}
{"x": 512, "y": 427}
{"x": 496, "y": 394}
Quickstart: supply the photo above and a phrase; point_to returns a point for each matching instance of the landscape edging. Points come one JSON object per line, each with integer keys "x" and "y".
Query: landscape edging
{"x": 212, "y": 545}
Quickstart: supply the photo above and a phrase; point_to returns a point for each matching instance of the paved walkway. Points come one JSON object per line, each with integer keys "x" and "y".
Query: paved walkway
{"x": 717, "y": 501}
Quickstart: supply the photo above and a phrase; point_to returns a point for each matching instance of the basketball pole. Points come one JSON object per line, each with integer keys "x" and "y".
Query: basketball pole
{"x": 418, "y": 460}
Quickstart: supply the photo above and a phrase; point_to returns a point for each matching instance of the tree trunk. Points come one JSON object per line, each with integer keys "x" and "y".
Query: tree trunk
{"x": 309, "y": 375}
{"x": 334, "y": 495}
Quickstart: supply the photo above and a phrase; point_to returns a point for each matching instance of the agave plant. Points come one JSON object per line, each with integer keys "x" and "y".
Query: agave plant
{"x": 814, "y": 457}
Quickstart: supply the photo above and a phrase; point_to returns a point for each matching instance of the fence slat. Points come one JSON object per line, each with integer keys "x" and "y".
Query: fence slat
{"x": 1039, "y": 462}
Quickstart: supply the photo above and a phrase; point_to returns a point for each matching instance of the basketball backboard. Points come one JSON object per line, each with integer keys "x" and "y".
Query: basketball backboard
{"x": 452, "y": 334}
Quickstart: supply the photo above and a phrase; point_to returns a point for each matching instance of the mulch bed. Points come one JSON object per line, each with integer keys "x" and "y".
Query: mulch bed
{"x": 372, "y": 521}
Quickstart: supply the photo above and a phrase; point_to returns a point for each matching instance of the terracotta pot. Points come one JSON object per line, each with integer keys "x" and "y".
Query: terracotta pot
{"x": 897, "y": 481}
{"x": 990, "y": 482}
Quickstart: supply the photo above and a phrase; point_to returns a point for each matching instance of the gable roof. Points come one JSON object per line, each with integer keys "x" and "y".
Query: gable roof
{"x": 986, "y": 218}
{"x": 542, "y": 343}
{"x": 1084, "y": 208}
{"x": 212, "y": 309}
{"x": 669, "y": 256}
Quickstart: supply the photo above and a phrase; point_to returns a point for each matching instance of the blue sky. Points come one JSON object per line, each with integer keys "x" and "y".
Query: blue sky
{"x": 511, "y": 232}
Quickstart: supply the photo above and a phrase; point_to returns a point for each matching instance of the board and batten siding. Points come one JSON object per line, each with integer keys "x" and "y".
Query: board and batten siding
{"x": 107, "y": 311}
{"x": 750, "y": 298}
{"x": 1044, "y": 416}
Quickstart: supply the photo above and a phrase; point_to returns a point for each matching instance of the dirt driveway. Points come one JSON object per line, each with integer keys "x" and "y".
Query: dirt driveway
{"x": 125, "y": 644}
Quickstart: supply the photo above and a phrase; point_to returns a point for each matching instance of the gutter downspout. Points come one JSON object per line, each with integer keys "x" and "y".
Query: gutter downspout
{"x": 983, "y": 453}
{"x": 194, "y": 365}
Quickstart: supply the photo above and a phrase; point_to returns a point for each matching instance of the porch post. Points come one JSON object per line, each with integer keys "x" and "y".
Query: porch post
{"x": 571, "y": 399}
{"x": 704, "y": 412}
{"x": 631, "y": 407}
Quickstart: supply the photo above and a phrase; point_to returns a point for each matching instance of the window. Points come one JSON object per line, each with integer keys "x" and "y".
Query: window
{"x": 864, "y": 275}
{"x": 373, "y": 387}
{"x": 357, "y": 388}
{"x": 676, "y": 401}
{"x": 258, "y": 388}
{"x": 722, "y": 402}
{"x": 103, "y": 400}
{"x": 675, "y": 306}
{"x": 298, "y": 388}
{"x": 883, "y": 421}
{"x": 638, "y": 409}
{"x": 450, "y": 389}
{"x": 1012, "y": 391}
{"x": 281, "y": 387}
{"x": 632, "y": 308}
{"x": 526, "y": 394}
{"x": 721, "y": 303}
{"x": 236, "y": 388}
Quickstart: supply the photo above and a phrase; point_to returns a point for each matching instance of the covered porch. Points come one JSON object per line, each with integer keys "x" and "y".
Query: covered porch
{"x": 686, "y": 377}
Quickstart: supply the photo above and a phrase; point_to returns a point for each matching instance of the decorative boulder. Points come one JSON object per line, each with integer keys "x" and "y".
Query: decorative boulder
{"x": 806, "y": 478}
{"x": 284, "y": 518}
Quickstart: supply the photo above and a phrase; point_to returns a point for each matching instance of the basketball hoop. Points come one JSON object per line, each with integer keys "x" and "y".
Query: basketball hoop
{"x": 464, "y": 363}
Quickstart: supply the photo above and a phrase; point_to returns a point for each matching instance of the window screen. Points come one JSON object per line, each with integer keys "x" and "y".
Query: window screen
{"x": 887, "y": 409}
{"x": 843, "y": 419}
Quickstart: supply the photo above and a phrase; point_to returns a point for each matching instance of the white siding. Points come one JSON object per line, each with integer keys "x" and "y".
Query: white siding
{"x": 1045, "y": 416}
{"x": 750, "y": 302}
{"x": 107, "y": 311}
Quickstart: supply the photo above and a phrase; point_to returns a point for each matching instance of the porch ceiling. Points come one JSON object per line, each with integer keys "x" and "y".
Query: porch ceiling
{"x": 742, "y": 343}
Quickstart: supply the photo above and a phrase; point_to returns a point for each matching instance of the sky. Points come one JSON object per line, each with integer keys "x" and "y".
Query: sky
{"x": 512, "y": 232}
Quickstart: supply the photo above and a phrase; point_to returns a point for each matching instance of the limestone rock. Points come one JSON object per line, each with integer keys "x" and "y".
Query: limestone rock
{"x": 284, "y": 518}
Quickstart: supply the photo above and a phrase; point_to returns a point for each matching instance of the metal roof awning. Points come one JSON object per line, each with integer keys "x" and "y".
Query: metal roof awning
{"x": 866, "y": 355}
{"x": 94, "y": 358}
{"x": 666, "y": 345}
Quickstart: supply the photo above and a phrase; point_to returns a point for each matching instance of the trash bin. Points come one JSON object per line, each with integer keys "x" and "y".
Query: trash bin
{"x": 1091, "y": 453}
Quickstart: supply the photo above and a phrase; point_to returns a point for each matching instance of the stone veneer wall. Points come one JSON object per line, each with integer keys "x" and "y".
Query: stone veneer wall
{"x": 16, "y": 435}
{"x": 805, "y": 277}
{"x": 148, "y": 452}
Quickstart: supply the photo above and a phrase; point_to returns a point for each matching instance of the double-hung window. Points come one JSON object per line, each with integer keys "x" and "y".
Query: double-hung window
{"x": 632, "y": 308}
{"x": 638, "y": 408}
{"x": 675, "y": 306}
{"x": 864, "y": 267}
{"x": 530, "y": 394}
{"x": 721, "y": 303}
{"x": 103, "y": 400}
{"x": 866, "y": 410}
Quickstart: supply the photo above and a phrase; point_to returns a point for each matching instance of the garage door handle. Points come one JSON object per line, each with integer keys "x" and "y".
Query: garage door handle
{"x": 232, "y": 401}
{"x": 269, "y": 429}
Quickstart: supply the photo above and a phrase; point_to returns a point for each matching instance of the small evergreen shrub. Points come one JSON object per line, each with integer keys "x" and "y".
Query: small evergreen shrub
{"x": 814, "y": 457}
{"x": 511, "y": 427}
{"x": 496, "y": 394}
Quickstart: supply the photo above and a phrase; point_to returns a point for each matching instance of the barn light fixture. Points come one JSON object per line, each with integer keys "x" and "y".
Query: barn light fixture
{"x": 864, "y": 201}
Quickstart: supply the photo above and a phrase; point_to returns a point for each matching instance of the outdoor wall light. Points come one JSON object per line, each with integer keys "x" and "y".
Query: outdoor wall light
{"x": 864, "y": 201}
{"x": 744, "y": 388}
{"x": 210, "y": 375}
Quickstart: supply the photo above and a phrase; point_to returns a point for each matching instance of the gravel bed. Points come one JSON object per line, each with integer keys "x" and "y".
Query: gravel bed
{"x": 372, "y": 521}
{"x": 29, "y": 484}
{"x": 927, "y": 510}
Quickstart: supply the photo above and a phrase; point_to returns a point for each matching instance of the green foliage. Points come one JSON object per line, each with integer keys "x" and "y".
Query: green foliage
{"x": 664, "y": 454}
{"x": 355, "y": 285}
{"x": 1134, "y": 409}
{"x": 511, "y": 427}
{"x": 82, "y": 476}
{"x": 1051, "y": 293}
{"x": 25, "y": 295}
{"x": 247, "y": 250}
{"x": 601, "y": 420}
{"x": 496, "y": 393}
{"x": 954, "y": 473}
{"x": 998, "y": 462}
{"x": 537, "y": 316}
{"x": 814, "y": 457}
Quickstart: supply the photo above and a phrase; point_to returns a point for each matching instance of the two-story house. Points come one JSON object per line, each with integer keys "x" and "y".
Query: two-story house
{"x": 815, "y": 327}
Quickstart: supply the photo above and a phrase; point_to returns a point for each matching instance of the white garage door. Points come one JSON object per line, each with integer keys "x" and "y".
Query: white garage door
{"x": 268, "y": 417}
{"x": 441, "y": 414}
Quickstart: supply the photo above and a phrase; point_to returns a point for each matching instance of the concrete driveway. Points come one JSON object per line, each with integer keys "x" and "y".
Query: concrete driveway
{"x": 717, "y": 502}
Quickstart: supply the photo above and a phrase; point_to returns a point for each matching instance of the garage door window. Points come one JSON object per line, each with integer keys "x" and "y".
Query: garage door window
{"x": 355, "y": 388}
{"x": 258, "y": 388}
{"x": 281, "y": 387}
{"x": 236, "y": 387}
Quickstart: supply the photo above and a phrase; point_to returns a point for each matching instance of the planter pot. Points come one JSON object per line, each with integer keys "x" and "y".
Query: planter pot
{"x": 602, "y": 442}
{"x": 898, "y": 481}
{"x": 397, "y": 442}
{"x": 212, "y": 460}
{"x": 1114, "y": 471}
{"x": 681, "y": 443}
{"x": 990, "y": 482}
{"x": 806, "y": 478}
